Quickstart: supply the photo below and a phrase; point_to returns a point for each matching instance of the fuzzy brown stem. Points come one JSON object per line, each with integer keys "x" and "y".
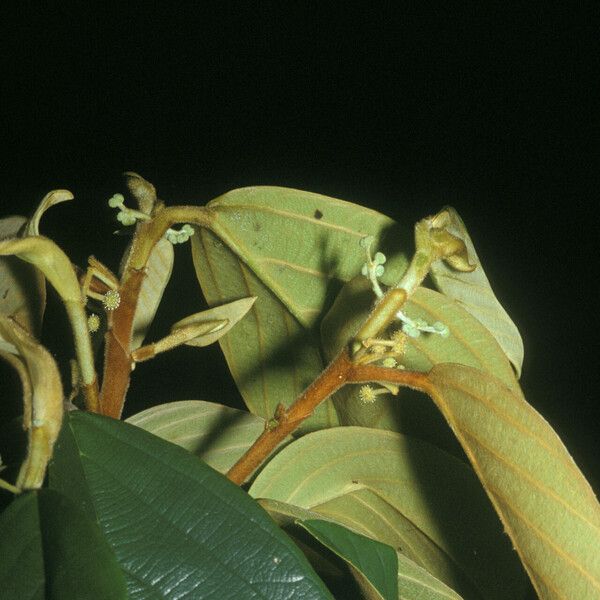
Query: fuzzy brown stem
{"x": 329, "y": 381}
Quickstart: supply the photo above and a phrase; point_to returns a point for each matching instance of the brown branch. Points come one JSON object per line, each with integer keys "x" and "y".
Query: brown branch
{"x": 118, "y": 362}
{"x": 339, "y": 372}
{"x": 330, "y": 380}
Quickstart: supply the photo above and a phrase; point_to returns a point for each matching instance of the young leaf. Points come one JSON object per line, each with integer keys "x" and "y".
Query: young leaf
{"x": 375, "y": 561}
{"x": 49, "y": 200}
{"x": 545, "y": 503}
{"x": 217, "y": 434}
{"x": 158, "y": 273}
{"x": 473, "y": 291}
{"x": 437, "y": 495}
{"x": 22, "y": 286}
{"x": 232, "y": 312}
{"x": 178, "y": 528}
{"x": 42, "y": 400}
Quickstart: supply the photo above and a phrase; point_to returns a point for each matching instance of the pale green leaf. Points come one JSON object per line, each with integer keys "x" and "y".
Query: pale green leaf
{"x": 270, "y": 356}
{"x": 232, "y": 313}
{"x": 158, "y": 273}
{"x": 49, "y": 200}
{"x": 293, "y": 250}
{"x": 217, "y": 434}
{"x": 42, "y": 400}
{"x": 443, "y": 515}
{"x": 474, "y": 292}
{"x": 545, "y": 503}
{"x": 22, "y": 286}
{"x": 302, "y": 245}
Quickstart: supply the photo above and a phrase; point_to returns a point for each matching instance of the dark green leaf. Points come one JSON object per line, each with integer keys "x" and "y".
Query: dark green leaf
{"x": 376, "y": 561}
{"x": 52, "y": 550}
{"x": 22, "y": 563}
{"x": 178, "y": 528}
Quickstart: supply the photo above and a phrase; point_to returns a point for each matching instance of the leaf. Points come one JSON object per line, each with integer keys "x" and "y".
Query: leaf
{"x": 377, "y": 562}
{"x": 469, "y": 343}
{"x": 414, "y": 582}
{"x": 231, "y": 312}
{"x": 217, "y": 434}
{"x": 270, "y": 356}
{"x": 158, "y": 273}
{"x": 177, "y": 527}
{"x": 299, "y": 243}
{"x": 22, "y": 564}
{"x": 22, "y": 287}
{"x": 50, "y": 259}
{"x": 292, "y": 250}
{"x": 42, "y": 401}
{"x": 443, "y": 517}
{"x": 547, "y": 507}
{"x": 52, "y": 550}
{"x": 49, "y": 200}
{"x": 473, "y": 292}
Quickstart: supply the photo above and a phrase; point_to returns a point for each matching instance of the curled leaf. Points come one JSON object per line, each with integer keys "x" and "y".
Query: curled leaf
{"x": 22, "y": 286}
{"x": 158, "y": 272}
{"x": 143, "y": 191}
{"x": 50, "y": 199}
{"x": 474, "y": 293}
{"x": 42, "y": 398}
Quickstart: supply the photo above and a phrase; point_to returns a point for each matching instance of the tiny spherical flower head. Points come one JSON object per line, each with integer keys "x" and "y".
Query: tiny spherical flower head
{"x": 93, "y": 323}
{"x": 111, "y": 300}
{"x": 365, "y": 271}
{"x": 367, "y": 394}
{"x": 116, "y": 200}
{"x": 379, "y": 270}
{"x": 187, "y": 228}
{"x": 390, "y": 362}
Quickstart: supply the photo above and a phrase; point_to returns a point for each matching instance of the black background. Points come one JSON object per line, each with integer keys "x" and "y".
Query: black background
{"x": 489, "y": 111}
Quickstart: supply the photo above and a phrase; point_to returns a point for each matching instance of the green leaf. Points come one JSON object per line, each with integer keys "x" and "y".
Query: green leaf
{"x": 55, "y": 551}
{"x": 22, "y": 564}
{"x": 469, "y": 343}
{"x": 474, "y": 292}
{"x": 303, "y": 245}
{"x": 217, "y": 434}
{"x": 49, "y": 200}
{"x": 439, "y": 512}
{"x": 414, "y": 582}
{"x": 547, "y": 507}
{"x": 158, "y": 273}
{"x": 377, "y": 562}
{"x": 42, "y": 400}
{"x": 232, "y": 312}
{"x": 272, "y": 358}
{"x": 178, "y": 528}
{"x": 293, "y": 250}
